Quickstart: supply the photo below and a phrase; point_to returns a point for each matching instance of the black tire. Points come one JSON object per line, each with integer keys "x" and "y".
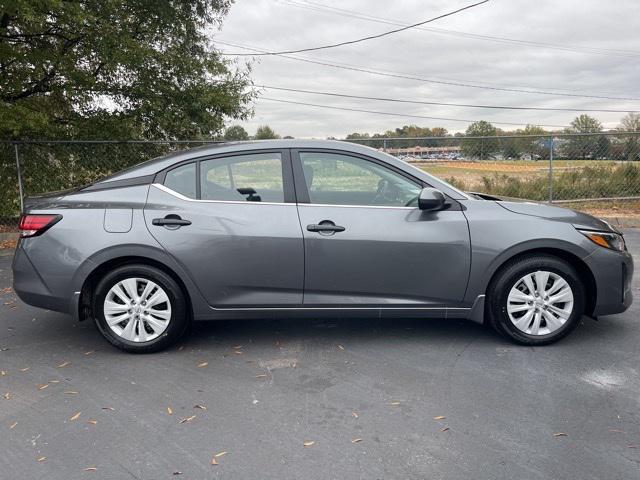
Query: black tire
{"x": 179, "y": 319}
{"x": 509, "y": 275}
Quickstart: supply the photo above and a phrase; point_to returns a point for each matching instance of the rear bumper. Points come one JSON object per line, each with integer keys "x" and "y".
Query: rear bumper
{"x": 30, "y": 286}
{"x": 613, "y": 272}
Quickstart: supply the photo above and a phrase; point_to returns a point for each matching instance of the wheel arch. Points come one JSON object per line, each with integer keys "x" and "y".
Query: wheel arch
{"x": 584, "y": 272}
{"x": 96, "y": 267}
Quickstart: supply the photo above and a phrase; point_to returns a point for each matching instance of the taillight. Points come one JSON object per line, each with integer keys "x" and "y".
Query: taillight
{"x": 34, "y": 225}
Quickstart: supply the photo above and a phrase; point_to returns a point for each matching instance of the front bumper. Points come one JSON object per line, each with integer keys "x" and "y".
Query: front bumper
{"x": 613, "y": 273}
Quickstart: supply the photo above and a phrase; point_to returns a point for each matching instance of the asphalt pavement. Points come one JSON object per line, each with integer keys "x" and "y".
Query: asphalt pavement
{"x": 340, "y": 399}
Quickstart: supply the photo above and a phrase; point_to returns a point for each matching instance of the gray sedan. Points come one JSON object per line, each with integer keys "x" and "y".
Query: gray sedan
{"x": 309, "y": 229}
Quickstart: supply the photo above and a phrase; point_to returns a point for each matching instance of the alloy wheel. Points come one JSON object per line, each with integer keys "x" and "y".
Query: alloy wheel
{"x": 540, "y": 303}
{"x": 137, "y": 309}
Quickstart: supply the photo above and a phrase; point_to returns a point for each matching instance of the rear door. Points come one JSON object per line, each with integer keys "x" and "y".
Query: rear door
{"x": 367, "y": 243}
{"x": 232, "y": 222}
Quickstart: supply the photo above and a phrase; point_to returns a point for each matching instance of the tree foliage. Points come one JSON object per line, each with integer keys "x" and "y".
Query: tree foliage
{"x": 235, "y": 133}
{"x": 265, "y": 132}
{"x": 115, "y": 69}
{"x": 585, "y": 146}
{"x": 481, "y": 148}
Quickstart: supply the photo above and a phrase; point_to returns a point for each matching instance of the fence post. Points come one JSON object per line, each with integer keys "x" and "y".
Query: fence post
{"x": 384, "y": 145}
{"x": 551, "y": 170}
{"x": 19, "y": 173}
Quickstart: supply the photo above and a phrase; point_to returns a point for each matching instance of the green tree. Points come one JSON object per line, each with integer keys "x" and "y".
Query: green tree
{"x": 265, "y": 132}
{"x": 533, "y": 145}
{"x": 236, "y": 133}
{"x": 631, "y": 143}
{"x": 586, "y": 146}
{"x": 481, "y": 148}
{"x": 112, "y": 69}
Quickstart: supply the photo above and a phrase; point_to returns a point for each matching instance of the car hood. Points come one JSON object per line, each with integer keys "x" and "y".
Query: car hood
{"x": 577, "y": 219}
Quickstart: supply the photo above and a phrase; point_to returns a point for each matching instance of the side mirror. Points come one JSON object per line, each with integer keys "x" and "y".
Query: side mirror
{"x": 431, "y": 200}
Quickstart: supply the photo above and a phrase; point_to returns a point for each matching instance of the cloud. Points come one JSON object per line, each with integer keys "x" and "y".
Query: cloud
{"x": 590, "y": 24}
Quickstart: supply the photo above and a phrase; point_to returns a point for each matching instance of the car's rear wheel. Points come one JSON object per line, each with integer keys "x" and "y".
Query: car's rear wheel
{"x": 139, "y": 308}
{"x": 536, "y": 300}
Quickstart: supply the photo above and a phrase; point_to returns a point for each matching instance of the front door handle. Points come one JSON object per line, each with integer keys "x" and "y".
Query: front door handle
{"x": 170, "y": 221}
{"x": 325, "y": 226}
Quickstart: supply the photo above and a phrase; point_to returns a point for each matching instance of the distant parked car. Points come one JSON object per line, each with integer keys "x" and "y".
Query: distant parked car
{"x": 306, "y": 229}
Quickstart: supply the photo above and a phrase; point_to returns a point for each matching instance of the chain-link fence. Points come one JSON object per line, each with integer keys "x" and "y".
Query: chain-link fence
{"x": 594, "y": 172}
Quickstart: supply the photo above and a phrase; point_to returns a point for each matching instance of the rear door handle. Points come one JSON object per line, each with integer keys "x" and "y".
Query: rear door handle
{"x": 326, "y": 226}
{"x": 170, "y": 221}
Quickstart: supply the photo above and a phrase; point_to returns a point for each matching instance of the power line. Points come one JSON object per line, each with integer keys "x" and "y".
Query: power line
{"x": 370, "y": 37}
{"x": 419, "y": 102}
{"x": 319, "y": 7}
{"x": 406, "y": 115}
{"x": 427, "y": 80}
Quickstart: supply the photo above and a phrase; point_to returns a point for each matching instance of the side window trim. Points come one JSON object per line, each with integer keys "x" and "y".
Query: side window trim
{"x": 288, "y": 186}
{"x": 302, "y": 192}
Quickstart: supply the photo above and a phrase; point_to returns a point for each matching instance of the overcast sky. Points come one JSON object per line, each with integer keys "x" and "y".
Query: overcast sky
{"x": 605, "y": 33}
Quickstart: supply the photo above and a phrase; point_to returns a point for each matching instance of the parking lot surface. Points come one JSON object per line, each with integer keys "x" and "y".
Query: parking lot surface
{"x": 339, "y": 399}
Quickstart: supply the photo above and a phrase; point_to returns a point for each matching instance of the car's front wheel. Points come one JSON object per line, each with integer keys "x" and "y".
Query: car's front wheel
{"x": 139, "y": 308}
{"x": 536, "y": 300}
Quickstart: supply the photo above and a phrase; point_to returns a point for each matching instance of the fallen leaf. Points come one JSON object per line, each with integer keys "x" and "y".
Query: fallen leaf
{"x": 90, "y": 469}
{"x": 237, "y": 347}
{"x": 2, "y": 373}
{"x": 64, "y": 364}
{"x": 42, "y": 459}
{"x": 7, "y": 396}
{"x": 25, "y": 369}
{"x": 238, "y": 352}
{"x": 355, "y": 415}
{"x": 201, "y": 407}
{"x": 218, "y": 455}
{"x": 54, "y": 381}
{"x": 89, "y": 352}
{"x": 108, "y": 408}
{"x": 71, "y": 392}
{"x": 188, "y": 419}
{"x": 214, "y": 461}
{"x": 340, "y": 347}
{"x": 169, "y": 411}
{"x": 394, "y": 404}
{"x": 75, "y": 416}
{"x": 42, "y": 387}
{"x": 307, "y": 443}
{"x": 356, "y": 440}
{"x": 203, "y": 364}
{"x": 560, "y": 434}
{"x": 262, "y": 375}
{"x": 13, "y": 425}
{"x": 616, "y": 431}
{"x": 92, "y": 422}
{"x": 439, "y": 417}
{"x": 445, "y": 429}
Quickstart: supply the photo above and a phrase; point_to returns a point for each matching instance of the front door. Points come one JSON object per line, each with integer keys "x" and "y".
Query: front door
{"x": 232, "y": 222}
{"x": 367, "y": 243}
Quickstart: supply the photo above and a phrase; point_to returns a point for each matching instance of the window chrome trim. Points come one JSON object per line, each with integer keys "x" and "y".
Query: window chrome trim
{"x": 355, "y": 206}
{"x": 188, "y": 199}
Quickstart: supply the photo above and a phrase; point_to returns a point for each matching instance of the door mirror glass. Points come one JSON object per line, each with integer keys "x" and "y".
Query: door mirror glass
{"x": 431, "y": 199}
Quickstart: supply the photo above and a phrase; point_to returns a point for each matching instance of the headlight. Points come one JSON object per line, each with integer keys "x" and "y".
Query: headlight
{"x": 610, "y": 240}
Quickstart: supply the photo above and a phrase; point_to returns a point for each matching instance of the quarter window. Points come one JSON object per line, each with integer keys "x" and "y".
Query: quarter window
{"x": 182, "y": 180}
{"x": 254, "y": 178}
{"x": 336, "y": 179}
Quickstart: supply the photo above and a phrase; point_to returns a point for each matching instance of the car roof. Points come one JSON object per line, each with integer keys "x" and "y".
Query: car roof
{"x": 160, "y": 163}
